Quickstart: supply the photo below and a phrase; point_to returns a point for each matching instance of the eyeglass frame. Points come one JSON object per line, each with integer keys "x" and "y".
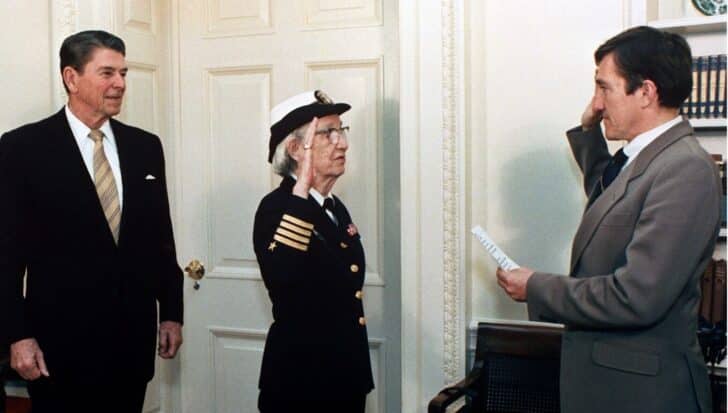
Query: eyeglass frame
{"x": 329, "y": 133}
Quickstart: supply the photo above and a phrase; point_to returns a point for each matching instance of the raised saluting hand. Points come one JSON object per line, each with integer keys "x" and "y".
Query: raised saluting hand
{"x": 307, "y": 174}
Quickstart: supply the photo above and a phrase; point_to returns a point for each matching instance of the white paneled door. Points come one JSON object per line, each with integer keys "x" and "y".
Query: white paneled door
{"x": 237, "y": 59}
{"x": 143, "y": 25}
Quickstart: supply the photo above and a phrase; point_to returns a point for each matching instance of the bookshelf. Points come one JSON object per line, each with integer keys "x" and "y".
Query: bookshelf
{"x": 691, "y": 25}
{"x": 717, "y": 123}
{"x": 706, "y": 36}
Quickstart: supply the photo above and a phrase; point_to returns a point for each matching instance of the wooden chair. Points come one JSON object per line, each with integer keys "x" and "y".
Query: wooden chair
{"x": 516, "y": 370}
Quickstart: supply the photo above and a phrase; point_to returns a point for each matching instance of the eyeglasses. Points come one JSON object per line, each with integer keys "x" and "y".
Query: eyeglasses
{"x": 333, "y": 134}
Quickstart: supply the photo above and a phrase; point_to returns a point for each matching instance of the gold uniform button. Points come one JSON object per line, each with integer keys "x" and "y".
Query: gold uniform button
{"x": 362, "y": 321}
{"x": 354, "y": 268}
{"x": 343, "y": 245}
{"x": 359, "y": 295}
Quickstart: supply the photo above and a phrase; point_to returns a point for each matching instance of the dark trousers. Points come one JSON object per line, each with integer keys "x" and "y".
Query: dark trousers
{"x": 273, "y": 402}
{"x": 48, "y": 395}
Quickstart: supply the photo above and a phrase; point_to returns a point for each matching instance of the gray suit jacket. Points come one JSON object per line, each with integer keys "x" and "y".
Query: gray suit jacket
{"x": 630, "y": 304}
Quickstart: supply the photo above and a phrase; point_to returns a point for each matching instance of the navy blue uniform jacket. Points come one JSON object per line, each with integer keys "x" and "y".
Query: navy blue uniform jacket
{"x": 314, "y": 273}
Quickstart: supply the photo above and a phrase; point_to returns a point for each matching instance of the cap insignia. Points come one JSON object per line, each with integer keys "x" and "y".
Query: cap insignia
{"x": 323, "y": 97}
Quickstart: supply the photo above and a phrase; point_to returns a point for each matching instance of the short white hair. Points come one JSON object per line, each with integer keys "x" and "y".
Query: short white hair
{"x": 283, "y": 163}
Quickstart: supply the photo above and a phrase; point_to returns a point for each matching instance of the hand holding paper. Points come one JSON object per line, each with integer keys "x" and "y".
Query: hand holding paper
{"x": 498, "y": 255}
{"x": 511, "y": 276}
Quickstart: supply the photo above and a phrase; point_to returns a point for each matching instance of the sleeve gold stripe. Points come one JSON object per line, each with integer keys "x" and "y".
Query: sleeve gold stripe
{"x": 296, "y": 229}
{"x": 292, "y": 236}
{"x": 296, "y": 221}
{"x": 292, "y": 244}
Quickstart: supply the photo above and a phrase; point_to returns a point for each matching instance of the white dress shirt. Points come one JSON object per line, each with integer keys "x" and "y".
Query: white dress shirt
{"x": 635, "y": 146}
{"x": 320, "y": 199}
{"x": 86, "y": 146}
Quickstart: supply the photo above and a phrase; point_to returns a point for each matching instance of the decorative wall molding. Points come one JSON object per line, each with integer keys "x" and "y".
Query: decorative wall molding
{"x": 452, "y": 271}
{"x": 64, "y": 22}
{"x": 67, "y": 16}
{"x": 432, "y": 192}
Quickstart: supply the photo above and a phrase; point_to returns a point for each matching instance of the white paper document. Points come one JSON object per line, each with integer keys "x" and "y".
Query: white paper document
{"x": 498, "y": 255}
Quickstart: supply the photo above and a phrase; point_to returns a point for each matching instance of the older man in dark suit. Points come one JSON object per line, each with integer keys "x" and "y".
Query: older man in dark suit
{"x": 630, "y": 305}
{"x": 84, "y": 211}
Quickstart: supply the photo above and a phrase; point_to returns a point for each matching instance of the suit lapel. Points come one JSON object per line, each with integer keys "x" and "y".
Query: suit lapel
{"x": 70, "y": 171}
{"x": 66, "y": 151}
{"x": 595, "y": 213}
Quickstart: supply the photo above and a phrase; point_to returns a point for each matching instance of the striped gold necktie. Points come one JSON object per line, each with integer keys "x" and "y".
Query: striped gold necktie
{"x": 105, "y": 184}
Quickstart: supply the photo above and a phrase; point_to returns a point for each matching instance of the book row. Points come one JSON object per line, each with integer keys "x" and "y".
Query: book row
{"x": 708, "y": 96}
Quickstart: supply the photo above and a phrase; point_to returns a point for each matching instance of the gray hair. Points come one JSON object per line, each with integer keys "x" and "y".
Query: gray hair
{"x": 282, "y": 162}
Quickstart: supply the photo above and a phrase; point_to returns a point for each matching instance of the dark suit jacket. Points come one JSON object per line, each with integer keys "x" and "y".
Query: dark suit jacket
{"x": 630, "y": 305}
{"x": 91, "y": 305}
{"x": 314, "y": 273}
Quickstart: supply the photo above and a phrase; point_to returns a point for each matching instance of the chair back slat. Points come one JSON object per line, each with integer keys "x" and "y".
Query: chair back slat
{"x": 521, "y": 365}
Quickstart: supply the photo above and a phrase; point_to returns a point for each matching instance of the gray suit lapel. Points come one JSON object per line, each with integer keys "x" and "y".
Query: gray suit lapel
{"x": 595, "y": 213}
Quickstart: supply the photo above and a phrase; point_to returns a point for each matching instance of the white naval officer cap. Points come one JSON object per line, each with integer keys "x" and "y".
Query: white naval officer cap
{"x": 298, "y": 110}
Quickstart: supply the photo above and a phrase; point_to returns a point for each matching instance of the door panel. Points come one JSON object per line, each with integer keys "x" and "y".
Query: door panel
{"x": 237, "y": 59}
{"x": 141, "y": 24}
{"x": 360, "y": 83}
{"x": 237, "y": 163}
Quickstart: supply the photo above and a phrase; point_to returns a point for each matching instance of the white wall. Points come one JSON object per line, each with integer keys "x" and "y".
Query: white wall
{"x": 531, "y": 77}
{"x": 25, "y": 62}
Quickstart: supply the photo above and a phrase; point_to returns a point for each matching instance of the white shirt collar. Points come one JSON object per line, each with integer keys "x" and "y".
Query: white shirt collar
{"x": 318, "y": 196}
{"x": 81, "y": 131}
{"x": 315, "y": 194}
{"x": 635, "y": 146}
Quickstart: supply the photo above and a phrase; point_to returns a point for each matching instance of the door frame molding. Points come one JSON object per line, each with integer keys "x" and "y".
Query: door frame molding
{"x": 432, "y": 170}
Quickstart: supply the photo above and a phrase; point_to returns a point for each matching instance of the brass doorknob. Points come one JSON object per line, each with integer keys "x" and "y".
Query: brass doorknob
{"x": 195, "y": 270}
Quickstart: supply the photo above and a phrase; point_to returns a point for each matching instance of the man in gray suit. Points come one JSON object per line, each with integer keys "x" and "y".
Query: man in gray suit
{"x": 630, "y": 303}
